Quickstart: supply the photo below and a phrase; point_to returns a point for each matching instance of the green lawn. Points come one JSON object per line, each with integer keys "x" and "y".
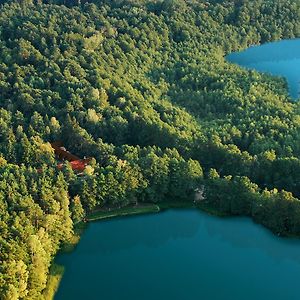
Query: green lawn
{"x": 125, "y": 211}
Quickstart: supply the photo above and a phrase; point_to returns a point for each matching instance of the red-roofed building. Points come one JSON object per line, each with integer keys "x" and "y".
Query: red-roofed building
{"x": 77, "y": 164}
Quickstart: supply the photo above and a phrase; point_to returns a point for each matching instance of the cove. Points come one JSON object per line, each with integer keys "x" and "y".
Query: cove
{"x": 180, "y": 254}
{"x": 278, "y": 58}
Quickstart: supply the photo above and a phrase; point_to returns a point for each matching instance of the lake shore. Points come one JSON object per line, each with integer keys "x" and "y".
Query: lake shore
{"x": 57, "y": 271}
{"x": 145, "y": 208}
{"x": 124, "y": 211}
{"x": 188, "y": 240}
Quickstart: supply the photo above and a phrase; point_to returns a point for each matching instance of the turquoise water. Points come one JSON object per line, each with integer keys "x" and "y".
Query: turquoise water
{"x": 279, "y": 58}
{"x": 181, "y": 255}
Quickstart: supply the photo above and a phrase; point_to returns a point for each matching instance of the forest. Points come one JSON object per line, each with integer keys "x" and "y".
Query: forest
{"x": 142, "y": 87}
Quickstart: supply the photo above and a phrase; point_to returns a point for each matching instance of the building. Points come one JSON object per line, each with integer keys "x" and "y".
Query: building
{"x": 77, "y": 164}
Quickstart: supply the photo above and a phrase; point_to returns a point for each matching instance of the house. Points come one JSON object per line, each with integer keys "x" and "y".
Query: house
{"x": 77, "y": 164}
{"x": 61, "y": 152}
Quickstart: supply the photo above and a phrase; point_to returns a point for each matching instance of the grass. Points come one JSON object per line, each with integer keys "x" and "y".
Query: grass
{"x": 125, "y": 211}
{"x": 55, "y": 274}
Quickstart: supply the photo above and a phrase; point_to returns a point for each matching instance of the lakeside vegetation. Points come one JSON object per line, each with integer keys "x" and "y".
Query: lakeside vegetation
{"x": 124, "y": 211}
{"x": 55, "y": 275}
{"x": 144, "y": 89}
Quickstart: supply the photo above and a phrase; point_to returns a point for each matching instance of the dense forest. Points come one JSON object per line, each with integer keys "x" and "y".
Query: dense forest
{"x": 144, "y": 89}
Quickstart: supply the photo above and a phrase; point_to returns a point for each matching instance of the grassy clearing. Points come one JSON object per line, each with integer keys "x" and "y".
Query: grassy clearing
{"x": 125, "y": 211}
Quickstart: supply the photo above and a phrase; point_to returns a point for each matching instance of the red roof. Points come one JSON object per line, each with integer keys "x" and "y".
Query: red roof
{"x": 62, "y": 153}
{"x": 77, "y": 165}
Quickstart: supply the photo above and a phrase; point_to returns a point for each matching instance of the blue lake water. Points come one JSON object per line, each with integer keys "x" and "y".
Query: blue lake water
{"x": 279, "y": 58}
{"x": 181, "y": 255}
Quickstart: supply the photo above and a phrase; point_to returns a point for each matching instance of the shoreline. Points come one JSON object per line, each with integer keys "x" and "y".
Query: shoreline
{"x": 121, "y": 212}
{"x": 56, "y": 271}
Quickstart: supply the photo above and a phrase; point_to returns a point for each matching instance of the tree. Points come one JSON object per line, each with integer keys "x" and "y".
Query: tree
{"x": 77, "y": 210}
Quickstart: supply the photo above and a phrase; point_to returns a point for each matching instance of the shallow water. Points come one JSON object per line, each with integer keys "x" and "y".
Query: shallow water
{"x": 180, "y": 254}
{"x": 278, "y": 58}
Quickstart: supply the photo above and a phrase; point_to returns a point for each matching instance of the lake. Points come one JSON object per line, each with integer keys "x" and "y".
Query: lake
{"x": 278, "y": 58}
{"x": 182, "y": 255}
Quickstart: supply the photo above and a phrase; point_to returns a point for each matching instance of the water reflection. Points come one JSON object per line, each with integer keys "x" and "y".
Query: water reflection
{"x": 242, "y": 233}
{"x": 278, "y": 58}
{"x": 151, "y": 231}
{"x": 181, "y": 254}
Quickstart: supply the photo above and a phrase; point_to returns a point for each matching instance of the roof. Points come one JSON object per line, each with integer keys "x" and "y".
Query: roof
{"x": 77, "y": 165}
{"x": 60, "y": 152}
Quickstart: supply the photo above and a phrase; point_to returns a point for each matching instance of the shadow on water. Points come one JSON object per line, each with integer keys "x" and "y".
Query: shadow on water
{"x": 152, "y": 231}
{"x": 278, "y": 58}
{"x": 242, "y": 232}
{"x": 180, "y": 254}
{"x": 109, "y": 236}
